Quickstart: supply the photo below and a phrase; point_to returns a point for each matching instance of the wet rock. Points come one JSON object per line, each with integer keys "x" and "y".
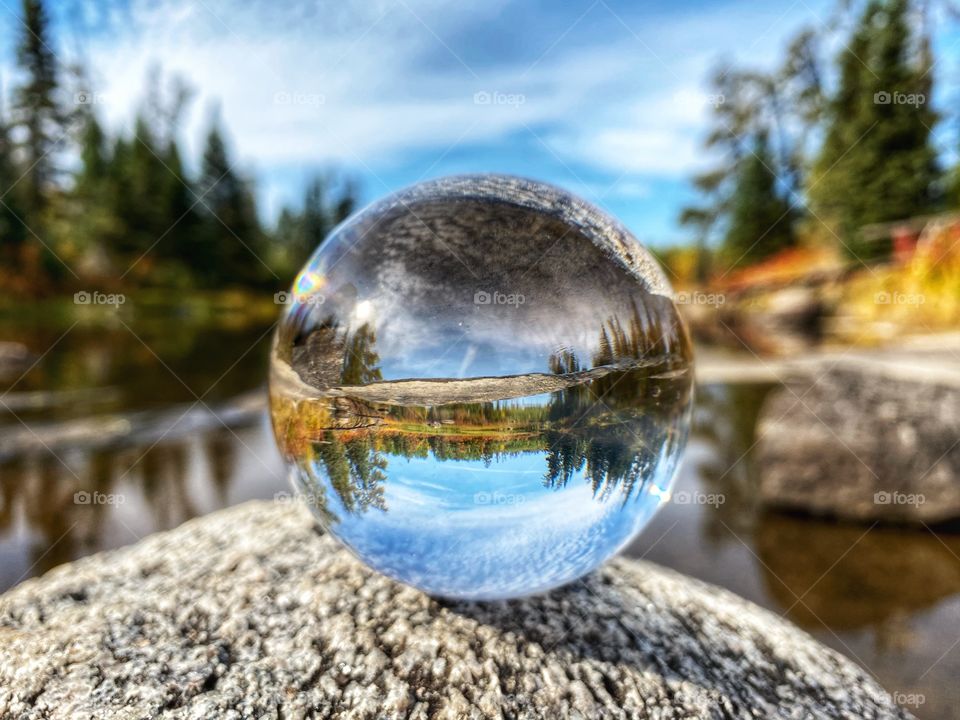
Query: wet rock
{"x": 250, "y": 612}
{"x": 861, "y": 443}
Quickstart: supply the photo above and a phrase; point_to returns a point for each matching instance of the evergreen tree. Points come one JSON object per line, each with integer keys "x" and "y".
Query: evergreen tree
{"x": 36, "y": 108}
{"x": 322, "y": 213}
{"x": 93, "y": 153}
{"x": 953, "y": 187}
{"x": 89, "y": 209}
{"x": 784, "y": 106}
{"x": 316, "y": 219}
{"x": 361, "y": 365}
{"x": 877, "y": 162}
{"x": 178, "y": 241}
{"x": 230, "y": 226}
{"x": 13, "y": 234}
{"x": 761, "y": 219}
{"x": 299, "y": 234}
{"x": 142, "y": 176}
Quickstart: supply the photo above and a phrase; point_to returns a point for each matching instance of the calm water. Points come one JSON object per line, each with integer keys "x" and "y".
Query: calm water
{"x": 888, "y": 598}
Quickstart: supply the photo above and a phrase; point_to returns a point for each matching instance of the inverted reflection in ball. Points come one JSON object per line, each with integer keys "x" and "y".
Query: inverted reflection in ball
{"x": 481, "y": 386}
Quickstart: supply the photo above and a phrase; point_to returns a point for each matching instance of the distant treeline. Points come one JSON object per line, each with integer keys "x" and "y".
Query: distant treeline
{"x": 821, "y": 146}
{"x": 81, "y": 207}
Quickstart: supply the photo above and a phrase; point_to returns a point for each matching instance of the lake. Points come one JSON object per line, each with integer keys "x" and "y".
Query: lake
{"x": 887, "y": 597}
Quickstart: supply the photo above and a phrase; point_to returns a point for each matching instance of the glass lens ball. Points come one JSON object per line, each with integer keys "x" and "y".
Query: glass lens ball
{"x": 481, "y": 386}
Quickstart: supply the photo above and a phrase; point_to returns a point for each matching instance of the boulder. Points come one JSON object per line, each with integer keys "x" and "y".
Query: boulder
{"x": 862, "y": 443}
{"x": 251, "y": 612}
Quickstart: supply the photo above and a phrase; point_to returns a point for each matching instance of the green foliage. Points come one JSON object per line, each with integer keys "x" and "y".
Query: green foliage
{"x": 361, "y": 365}
{"x": 751, "y": 108}
{"x": 761, "y": 219}
{"x": 13, "y": 234}
{"x": 230, "y": 234}
{"x": 327, "y": 202}
{"x": 877, "y": 162}
{"x": 36, "y": 107}
{"x": 850, "y": 145}
{"x": 129, "y": 213}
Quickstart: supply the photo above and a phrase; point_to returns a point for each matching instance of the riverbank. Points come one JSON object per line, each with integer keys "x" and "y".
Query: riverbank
{"x": 932, "y": 357}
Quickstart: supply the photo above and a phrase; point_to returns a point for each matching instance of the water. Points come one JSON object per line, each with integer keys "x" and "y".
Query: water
{"x": 482, "y": 387}
{"x": 890, "y": 601}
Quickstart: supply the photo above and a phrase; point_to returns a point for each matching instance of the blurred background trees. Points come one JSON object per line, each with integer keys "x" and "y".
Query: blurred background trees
{"x": 837, "y": 137}
{"x": 80, "y": 204}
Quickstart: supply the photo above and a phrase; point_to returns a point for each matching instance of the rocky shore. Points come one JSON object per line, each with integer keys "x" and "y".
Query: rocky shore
{"x": 251, "y": 612}
{"x": 863, "y": 443}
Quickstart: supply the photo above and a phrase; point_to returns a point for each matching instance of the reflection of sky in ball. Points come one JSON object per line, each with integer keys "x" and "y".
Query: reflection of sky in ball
{"x": 466, "y": 529}
{"x": 486, "y": 277}
{"x": 418, "y": 286}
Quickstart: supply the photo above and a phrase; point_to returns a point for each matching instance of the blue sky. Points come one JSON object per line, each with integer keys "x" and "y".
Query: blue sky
{"x": 605, "y": 98}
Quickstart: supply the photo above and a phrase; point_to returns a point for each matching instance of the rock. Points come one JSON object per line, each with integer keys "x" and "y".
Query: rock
{"x": 250, "y": 612}
{"x": 783, "y": 321}
{"x": 862, "y": 443}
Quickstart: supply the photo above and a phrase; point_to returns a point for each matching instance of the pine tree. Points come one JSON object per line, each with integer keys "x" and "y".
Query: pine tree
{"x": 89, "y": 210}
{"x": 784, "y": 106}
{"x": 13, "y": 234}
{"x": 877, "y": 162}
{"x": 322, "y": 212}
{"x": 761, "y": 219}
{"x": 299, "y": 234}
{"x": 230, "y": 225}
{"x": 316, "y": 218}
{"x": 93, "y": 152}
{"x": 36, "y": 108}
{"x": 177, "y": 241}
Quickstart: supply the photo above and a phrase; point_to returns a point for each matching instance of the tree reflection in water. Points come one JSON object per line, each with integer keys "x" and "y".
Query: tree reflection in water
{"x": 610, "y": 430}
{"x": 53, "y": 510}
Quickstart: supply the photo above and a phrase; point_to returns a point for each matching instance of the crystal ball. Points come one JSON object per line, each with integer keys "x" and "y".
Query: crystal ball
{"x": 481, "y": 386}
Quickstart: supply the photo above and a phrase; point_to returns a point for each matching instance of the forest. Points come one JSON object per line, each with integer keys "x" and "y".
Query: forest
{"x": 841, "y": 135}
{"x": 83, "y": 207}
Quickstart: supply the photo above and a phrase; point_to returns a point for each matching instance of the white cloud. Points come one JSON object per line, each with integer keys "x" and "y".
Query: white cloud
{"x": 360, "y": 84}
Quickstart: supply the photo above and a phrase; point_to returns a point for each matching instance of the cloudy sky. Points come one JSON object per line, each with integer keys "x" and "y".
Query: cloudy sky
{"x": 603, "y": 97}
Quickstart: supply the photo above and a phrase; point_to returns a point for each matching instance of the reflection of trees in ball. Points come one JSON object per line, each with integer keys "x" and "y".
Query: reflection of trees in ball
{"x": 360, "y": 361}
{"x": 572, "y": 398}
